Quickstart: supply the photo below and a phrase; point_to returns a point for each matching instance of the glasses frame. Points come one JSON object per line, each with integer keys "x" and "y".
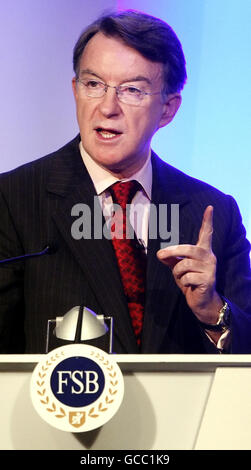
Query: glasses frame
{"x": 118, "y": 91}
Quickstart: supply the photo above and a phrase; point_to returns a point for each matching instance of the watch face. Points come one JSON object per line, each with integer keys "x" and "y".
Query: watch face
{"x": 225, "y": 318}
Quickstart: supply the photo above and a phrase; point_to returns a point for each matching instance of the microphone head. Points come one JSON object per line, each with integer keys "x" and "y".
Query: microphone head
{"x": 93, "y": 326}
{"x": 50, "y": 249}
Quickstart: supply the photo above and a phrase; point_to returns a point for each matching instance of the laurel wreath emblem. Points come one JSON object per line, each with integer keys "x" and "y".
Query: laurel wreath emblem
{"x": 60, "y": 412}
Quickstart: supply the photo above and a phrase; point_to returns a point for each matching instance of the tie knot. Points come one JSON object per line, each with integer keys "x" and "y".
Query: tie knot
{"x": 123, "y": 193}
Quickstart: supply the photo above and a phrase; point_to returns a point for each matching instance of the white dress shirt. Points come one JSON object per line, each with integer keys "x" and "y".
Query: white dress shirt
{"x": 103, "y": 179}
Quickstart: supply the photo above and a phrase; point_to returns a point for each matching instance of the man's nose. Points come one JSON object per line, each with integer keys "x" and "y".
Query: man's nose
{"x": 109, "y": 103}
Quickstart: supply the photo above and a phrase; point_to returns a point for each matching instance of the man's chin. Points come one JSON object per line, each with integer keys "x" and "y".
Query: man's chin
{"x": 122, "y": 166}
{"x": 114, "y": 164}
{"x": 117, "y": 169}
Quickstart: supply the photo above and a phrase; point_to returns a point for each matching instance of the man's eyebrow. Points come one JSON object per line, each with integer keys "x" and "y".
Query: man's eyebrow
{"x": 137, "y": 78}
{"x": 89, "y": 72}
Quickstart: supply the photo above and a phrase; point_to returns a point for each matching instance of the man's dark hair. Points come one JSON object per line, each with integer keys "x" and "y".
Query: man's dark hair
{"x": 150, "y": 36}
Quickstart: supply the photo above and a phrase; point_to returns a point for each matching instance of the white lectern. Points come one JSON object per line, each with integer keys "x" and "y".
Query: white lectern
{"x": 171, "y": 402}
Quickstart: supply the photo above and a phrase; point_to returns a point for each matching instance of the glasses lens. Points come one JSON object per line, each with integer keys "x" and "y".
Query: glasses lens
{"x": 130, "y": 95}
{"x": 93, "y": 88}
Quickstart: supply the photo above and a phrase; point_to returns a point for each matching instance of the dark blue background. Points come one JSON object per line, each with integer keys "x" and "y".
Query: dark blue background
{"x": 72, "y": 364}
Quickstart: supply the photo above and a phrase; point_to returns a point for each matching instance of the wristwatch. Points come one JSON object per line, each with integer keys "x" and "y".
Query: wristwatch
{"x": 223, "y": 322}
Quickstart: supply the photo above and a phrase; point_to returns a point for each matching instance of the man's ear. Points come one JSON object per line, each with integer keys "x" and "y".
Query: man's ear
{"x": 74, "y": 87}
{"x": 170, "y": 107}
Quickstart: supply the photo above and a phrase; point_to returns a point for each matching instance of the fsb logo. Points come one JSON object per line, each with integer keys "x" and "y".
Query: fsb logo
{"x": 77, "y": 388}
{"x": 77, "y": 381}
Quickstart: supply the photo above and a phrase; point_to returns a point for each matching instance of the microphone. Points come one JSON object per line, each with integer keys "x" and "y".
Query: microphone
{"x": 48, "y": 250}
{"x": 80, "y": 324}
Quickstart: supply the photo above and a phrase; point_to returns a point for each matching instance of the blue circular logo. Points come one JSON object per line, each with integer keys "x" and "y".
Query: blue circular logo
{"x": 77, "y": 381}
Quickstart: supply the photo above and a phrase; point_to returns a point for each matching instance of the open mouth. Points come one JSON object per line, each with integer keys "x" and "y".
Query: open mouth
{"x": 107, "y": 133}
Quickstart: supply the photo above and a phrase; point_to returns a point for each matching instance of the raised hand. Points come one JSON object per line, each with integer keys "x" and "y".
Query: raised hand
{"x": 194, "y": 270}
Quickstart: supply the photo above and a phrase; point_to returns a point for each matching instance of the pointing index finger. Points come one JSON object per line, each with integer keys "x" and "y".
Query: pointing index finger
{"x": 206, "y": 230}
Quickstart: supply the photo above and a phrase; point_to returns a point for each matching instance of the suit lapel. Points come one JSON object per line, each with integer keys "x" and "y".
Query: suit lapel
{"x": 71, "y": 183}
{"x": 162, "y": 292}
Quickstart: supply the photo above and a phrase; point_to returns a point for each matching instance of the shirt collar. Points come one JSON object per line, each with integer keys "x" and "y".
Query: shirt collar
{"x": 102, "y": 179}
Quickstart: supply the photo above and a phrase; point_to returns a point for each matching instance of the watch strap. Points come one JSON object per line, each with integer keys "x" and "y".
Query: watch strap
{"x": 223, "y": 322}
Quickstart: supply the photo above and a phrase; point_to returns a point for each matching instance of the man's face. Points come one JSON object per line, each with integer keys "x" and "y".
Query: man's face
{"x": 118, "y": 135}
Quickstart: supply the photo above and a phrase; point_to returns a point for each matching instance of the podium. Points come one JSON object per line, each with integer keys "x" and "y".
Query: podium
{"x": 171, "y": 402}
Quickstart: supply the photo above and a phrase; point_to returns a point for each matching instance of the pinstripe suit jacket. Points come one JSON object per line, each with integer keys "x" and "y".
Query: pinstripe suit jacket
{"x": 35, "y": 206}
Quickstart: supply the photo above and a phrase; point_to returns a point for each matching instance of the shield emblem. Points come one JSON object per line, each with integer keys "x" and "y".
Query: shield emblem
{"x": 77, "y": 418}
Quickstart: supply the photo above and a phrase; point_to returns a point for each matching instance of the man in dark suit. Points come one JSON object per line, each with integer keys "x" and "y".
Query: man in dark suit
{"x": 129, "y": 70}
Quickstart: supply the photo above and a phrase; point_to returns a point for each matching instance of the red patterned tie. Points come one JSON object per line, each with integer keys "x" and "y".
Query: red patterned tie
{"x": 131, "y": 260}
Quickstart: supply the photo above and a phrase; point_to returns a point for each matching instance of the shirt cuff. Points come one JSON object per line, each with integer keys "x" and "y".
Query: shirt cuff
{"x": 223, "y": 342}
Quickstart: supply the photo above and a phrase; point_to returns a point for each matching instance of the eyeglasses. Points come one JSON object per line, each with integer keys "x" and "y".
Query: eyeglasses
{"x": 128, "y": 94}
